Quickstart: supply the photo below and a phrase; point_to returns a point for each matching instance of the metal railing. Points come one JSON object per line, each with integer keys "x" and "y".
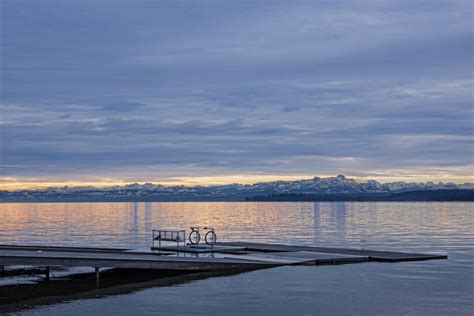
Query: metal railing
{"x": 169, "y": 235}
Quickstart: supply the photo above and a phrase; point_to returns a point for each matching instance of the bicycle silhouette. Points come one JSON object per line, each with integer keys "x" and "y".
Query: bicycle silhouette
{"x": 195, "y": 235}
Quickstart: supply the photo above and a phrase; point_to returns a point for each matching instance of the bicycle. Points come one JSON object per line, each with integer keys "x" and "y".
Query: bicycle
{"x": 195, "y": 236}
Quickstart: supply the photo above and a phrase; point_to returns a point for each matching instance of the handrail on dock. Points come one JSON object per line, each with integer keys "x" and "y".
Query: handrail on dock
{"x": 169, "y": 234}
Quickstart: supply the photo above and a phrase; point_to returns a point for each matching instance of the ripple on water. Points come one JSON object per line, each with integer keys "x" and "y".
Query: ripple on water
{"x": 430, "y": 287}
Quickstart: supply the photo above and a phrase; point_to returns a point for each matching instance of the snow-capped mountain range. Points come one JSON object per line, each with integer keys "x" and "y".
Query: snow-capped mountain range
{"x": 339, "y": 184}
{"x": 149, "y": 191}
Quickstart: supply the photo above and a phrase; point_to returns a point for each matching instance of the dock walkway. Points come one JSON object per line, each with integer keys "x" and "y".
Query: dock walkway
{"x": 372, "y": 255}
{"x": 223, "y": 256}
{"x": 115, "y": 258}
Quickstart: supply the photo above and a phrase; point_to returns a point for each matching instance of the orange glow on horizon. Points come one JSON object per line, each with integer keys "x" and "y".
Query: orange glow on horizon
{"x": 13, "y": 183}
{"x": 20, "y": 184}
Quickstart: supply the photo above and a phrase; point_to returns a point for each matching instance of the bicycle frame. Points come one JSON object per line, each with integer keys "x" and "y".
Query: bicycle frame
{"x": 195, "y": 235}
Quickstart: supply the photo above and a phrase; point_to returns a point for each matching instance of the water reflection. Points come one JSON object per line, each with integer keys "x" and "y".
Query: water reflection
{"x": 443, "y": 287}
{"x": 384, "y": 225}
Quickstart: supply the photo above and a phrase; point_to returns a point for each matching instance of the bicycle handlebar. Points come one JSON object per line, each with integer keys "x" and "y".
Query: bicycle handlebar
{"x": 199, "y": 227}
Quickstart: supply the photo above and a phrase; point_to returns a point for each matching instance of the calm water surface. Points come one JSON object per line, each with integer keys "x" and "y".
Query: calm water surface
{"x": 437, "y": 287}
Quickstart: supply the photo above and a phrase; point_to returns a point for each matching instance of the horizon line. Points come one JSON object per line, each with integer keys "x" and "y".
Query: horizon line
{"x": 14, "y": 184}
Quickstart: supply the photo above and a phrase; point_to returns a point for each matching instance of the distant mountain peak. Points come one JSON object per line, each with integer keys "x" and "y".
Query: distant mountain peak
{"x": 330, "y": 185}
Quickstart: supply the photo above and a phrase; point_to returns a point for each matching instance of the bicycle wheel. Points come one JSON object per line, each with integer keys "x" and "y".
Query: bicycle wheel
{"x": 210, "y": 237}
{"x": 194, "y": 237}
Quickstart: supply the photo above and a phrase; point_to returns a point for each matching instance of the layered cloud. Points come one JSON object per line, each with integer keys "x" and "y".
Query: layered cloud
{"x": 151, "y": 90}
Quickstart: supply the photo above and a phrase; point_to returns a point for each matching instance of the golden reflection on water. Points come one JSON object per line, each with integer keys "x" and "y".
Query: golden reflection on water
{"x": 379, "y": 225}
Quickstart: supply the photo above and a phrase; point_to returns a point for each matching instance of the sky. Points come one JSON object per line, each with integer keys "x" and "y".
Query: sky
{"x": 109, "y": 92}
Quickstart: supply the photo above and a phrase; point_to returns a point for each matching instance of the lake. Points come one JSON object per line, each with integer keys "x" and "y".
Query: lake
{"x": 436, "y": 287}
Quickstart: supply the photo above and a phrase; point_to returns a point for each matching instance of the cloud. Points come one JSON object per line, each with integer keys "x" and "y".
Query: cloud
{"x": 121, "y": 106}
{"x": 166, "y": 89}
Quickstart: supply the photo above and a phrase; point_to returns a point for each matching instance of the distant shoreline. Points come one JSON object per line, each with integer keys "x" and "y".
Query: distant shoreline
{"x": 460, "y": 195}
{"x": 317, "y": 189}
{"x": 227, "y": 201}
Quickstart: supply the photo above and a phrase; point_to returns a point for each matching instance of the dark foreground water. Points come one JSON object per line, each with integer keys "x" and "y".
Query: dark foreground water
{"x": 437, "y": 287}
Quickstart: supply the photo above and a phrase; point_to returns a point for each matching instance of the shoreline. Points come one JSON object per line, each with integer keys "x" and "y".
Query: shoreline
{"x": 240, "y": 201}
{"x": 442, "y": 195}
